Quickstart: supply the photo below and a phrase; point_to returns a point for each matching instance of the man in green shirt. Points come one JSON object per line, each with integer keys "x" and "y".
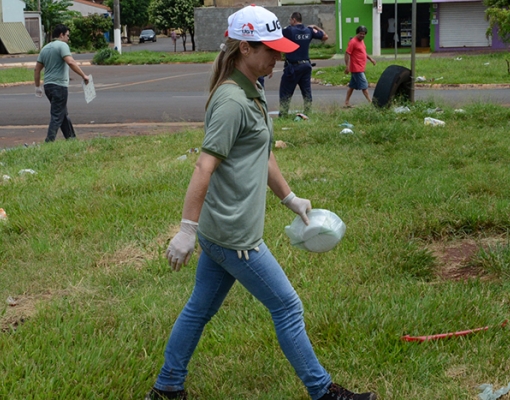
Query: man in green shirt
{"x": 56, "y": 59}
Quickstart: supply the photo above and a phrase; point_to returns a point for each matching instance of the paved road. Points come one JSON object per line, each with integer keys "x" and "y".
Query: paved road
{"x": 138, "y": 99}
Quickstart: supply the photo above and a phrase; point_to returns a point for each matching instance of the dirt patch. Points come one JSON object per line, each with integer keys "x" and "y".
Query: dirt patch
{"x": 12, "y": 136}
{"x": 455, "y": 257}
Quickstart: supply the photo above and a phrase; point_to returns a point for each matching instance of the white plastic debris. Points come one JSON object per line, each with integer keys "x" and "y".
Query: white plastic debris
{"x": 488, "y": 394}
{"x": 6, "y": 178}
{"x": 402, "y": 110}
{"x": 10, "y": 301}
{"x": 346, "y": 131}
{"x": 27, "y": 171}
{"x": 459, "y": 110}
{"x": 182, "y": 158}
{"x": 434, "y": 122}
{"x": 421, "y": 79}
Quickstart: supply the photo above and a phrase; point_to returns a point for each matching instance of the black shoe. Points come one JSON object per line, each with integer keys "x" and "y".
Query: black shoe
{"x": 336, "y": 392}
{"x": 156, "y": 394}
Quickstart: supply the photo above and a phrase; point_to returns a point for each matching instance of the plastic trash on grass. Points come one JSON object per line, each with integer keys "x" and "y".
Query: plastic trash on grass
{"x": 3, "y": 215}
{"x": 27, "y": 171}
{"x": 434, "y": 122}
{"x": 402, "y": 110}
{"x": 346, "y": 131}
{"x": 323, "y": 233}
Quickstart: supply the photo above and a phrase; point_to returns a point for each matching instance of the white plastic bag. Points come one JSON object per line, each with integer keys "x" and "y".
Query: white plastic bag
{"x": 323, "y": 233}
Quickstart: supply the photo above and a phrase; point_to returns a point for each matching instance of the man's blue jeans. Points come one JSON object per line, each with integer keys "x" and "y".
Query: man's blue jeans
{"x": 57, "y": 95}
{"x": 218, "y": 269}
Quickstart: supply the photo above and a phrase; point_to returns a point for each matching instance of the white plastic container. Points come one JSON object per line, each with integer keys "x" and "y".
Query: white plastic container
{"x": 323, "y": 233}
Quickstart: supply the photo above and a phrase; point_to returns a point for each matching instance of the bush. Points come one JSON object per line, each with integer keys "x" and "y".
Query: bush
{"x": 105, "y": 57}
{"x": 87, "y": 33}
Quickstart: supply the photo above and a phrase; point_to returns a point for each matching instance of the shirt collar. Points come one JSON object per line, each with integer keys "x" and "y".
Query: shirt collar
{"x": 245, "y": 84}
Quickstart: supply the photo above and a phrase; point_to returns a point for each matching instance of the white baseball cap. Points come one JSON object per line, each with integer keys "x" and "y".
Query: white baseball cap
{"x": 256, "y": 24}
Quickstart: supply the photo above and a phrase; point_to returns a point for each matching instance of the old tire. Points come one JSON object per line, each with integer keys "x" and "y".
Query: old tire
{"x": 395, "y": 81}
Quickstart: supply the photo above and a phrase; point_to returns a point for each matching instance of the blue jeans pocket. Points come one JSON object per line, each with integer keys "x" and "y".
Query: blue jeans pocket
{"x": 214, "y": 251}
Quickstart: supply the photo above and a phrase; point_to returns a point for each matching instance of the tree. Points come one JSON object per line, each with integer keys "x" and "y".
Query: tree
{"x": 133, "y": 13}
{"x": 53, "y": 12}
{"x": 498, "y": 14}
{"x": 178, "y": 14}
{"x": 88, "y": 32}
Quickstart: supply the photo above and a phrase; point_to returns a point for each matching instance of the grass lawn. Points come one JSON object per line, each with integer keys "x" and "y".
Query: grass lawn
{"x": 427, "y": 209}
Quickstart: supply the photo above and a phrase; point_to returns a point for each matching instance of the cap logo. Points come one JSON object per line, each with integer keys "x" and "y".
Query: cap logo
{"x": 247, "y": 29}
{"x": 276, "y": 26}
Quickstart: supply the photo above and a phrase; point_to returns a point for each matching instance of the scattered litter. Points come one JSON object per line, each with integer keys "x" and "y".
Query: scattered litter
{"x": 286, "y": 128}
{"x": 434, "y": 122}
{"x": 11, "y": 301}
{"x": 346, "y": 131}
{"x": 193, "y": 150}
{"x": 458, "y": 58}
{"x": 300, "y": 116}
{"x": 408, "y": 338}
{"x": 182, "y": 158}
{"x": 92, "y": 122}
{"x": 402, "y": 110}
{"x": 274, "y": 112}
{"x": 3, "y": 214}
{"x": 486, "y": 63}
{"x": 319, "y": 72}
{"x": 27, "y": 171}
{"x": 328, "y": 84}
{"x": 488, "y": 394}
{"x": 6, "y": 178}
{"x": 280, "y": 144}
{"x": 345, "y": 124}
{"x": 437, "y": 79}
{"x": 459, "y": 110}
{"x": 421, "y": 79}
{"x": 434, "y": 110}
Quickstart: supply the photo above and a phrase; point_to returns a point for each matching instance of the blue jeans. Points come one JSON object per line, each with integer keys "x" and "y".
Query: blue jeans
{"x": 218, "y": 269}
{"x": 296, "y": 75}
{"x": 57, "y": 95}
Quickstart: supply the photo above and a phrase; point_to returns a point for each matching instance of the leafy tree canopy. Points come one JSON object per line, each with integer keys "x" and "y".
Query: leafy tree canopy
{"x": 498, "y": 14}
{"x": 132, "y": 12}
{"x": 53, "y": 12}
{"x": 88, "y": 32}
{"x": 179, "y": 14}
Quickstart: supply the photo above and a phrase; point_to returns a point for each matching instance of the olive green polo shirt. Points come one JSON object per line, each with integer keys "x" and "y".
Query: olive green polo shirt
{"x": 236, "y": 132}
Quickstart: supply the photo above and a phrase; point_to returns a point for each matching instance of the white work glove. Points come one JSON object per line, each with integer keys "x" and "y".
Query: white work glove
{"x": 38, "y": 91}
{"x": 181, "y": 247}
{"x": 298, "y": 205}
{"x": 240, "y": 253}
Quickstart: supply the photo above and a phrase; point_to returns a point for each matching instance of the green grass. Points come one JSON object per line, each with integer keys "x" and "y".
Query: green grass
{"x": 82, "y": 252}
{"x": 16, "y": 74}
{"x": 458, "y": 69}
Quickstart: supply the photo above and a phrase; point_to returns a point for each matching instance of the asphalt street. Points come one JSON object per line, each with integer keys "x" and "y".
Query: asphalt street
{"x": 138, "y": 99}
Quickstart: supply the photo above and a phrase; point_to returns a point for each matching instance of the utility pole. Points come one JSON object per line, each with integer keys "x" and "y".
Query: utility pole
{"x": 413, "y": 50}
{"x": 116, "y": 26}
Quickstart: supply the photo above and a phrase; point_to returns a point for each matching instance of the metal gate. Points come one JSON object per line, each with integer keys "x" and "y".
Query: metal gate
{"x": 463, "y": 25}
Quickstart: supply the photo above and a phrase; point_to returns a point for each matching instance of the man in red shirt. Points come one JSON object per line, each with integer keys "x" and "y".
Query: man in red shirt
{"x": 355, "y": 61}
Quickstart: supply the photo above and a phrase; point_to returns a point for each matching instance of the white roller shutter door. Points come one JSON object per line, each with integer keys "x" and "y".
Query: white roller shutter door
{"x": 463, "y": 25}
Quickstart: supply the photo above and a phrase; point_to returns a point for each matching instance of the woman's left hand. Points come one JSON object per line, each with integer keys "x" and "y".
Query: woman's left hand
{"x": 299, "y": 206}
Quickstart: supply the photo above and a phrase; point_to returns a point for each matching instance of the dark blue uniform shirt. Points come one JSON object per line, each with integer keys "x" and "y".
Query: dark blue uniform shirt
{"x": 301, "y": 35}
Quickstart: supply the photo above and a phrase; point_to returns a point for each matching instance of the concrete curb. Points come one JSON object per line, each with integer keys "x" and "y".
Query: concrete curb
{"x": 31, "y": 64}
